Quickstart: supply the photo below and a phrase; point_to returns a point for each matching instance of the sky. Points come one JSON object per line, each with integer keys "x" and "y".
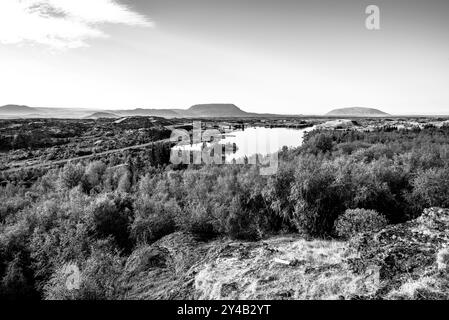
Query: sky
{"x": 267, "y": 56}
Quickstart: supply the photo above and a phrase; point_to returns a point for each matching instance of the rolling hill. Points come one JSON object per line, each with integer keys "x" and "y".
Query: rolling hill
{"x": 98, "y": 115}
{"x": 357, "y": 112}
{"x": 165, "y": 113}
{"x": 12, "y": 109}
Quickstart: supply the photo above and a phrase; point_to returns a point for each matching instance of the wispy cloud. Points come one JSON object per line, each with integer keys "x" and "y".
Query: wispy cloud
{"x": 62, "y": 24}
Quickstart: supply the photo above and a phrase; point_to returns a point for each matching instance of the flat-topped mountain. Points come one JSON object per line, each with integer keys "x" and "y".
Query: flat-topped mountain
{"x": 216, "y": 110}
{"x": 357, "y": 112}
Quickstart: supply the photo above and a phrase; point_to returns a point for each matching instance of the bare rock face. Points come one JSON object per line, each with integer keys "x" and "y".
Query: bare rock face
{"x": 404, "y": 261}
{"x": 407, "y": 255}
{"x": 162, "y": 270}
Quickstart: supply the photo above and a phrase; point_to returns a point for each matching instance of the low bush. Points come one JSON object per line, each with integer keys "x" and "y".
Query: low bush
{"x": 199, "y": 220}
{"x": 321, "y": 142}
{"x": 71, "y": 175}
{"x": 431, "y": 188}
{"x": 98, "y": 278}
{"x": 111, "y": 215}
{"x": 355, "y": 221}
{"x": 318, "y": 197}
{"x": 239, "y": 223}
{"x": 16, "y": 282}
{"x": 153, "y": 220}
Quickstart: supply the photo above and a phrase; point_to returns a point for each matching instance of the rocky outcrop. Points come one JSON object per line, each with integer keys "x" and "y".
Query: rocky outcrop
{"x": 284, "y": 267}
{"x": 157, "y": 271}
{"x": 410, "y": 257}
{"x": 405, "y": 261}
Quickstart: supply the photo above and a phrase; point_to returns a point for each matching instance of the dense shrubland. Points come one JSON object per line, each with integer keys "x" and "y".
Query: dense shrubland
{"x": 96, "y": 214}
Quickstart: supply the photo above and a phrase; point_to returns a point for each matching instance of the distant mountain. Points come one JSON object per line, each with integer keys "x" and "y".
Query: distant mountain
{"x": 98, "y": 115}
{"x": 197, "y": 111}
{"x": 216, "y": 110}
{"x": 11, "y": 109}
{"x": 357, "y": 112}
{"x": 165, "y": 113}
{"x": 18, "y": 111}
{"x": 212, "y": 110}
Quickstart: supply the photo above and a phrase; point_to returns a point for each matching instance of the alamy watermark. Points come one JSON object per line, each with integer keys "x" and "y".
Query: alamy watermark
{"x": 72, "y": 277}
{"x": 372, "y": 21}
{"x": 203, "y": 147}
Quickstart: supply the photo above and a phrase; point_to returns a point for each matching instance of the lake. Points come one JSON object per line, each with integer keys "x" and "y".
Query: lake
{"x": 251, "y": 141}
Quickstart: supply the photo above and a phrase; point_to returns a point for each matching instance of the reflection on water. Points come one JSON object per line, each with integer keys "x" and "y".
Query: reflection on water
{"x": 251, "y": 141}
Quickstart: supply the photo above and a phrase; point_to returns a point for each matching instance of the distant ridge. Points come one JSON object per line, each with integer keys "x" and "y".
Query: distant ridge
{"x": 357, "y": 112}
{"x": 165, "y": 113}
{"x": 211, "y": 110}
{"x": 98, "y": 115}
{"x": 16, "y": 109}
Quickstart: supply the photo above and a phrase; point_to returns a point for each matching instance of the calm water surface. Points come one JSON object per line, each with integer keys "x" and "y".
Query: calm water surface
{"x": 254, "y": 140}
